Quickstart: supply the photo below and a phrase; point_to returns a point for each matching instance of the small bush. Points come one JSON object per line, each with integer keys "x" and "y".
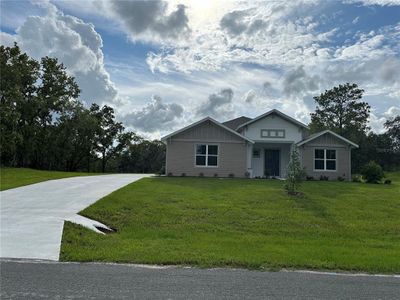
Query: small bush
{"x": 201, "y": 174}
{"x": 308, "y": 178}
{"x": 247, "y": 174}
{"x": 323, "y": 178}
{"x": 183, "y": 175}
{"x": 356, "y": 178}
{"x": 372, "y": 172}
{"x": 340, "y": 178}
{"x": 215, "y": 175}
{"x": 161, "y": 171}
{"x": 231, "y": 175}
{"x": 169, "y": 174}
{"x": 388, "y": 181}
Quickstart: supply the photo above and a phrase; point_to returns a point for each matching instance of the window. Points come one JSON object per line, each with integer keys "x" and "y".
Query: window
{"x": 273, "y": 133}
{"x": 325, "y": 159}
{"x": 207, "y": 155}
{"x": 256, "y": 153}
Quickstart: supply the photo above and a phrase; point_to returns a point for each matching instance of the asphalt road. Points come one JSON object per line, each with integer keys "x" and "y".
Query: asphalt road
{"x": 53, "y": 280}
{"x": 32, "y": 217}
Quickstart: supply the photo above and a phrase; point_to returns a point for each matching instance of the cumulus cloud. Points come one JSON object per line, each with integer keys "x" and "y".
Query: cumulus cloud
{"x": 76, "y": 44}
{"x": 375, "y": 2}
{"x": 298, "y": 82}
{"x": 217, "y": 105}
{"x": 149, "y": 20}
{"x": 7, "y": 39}
{"x": 155, "y": 116}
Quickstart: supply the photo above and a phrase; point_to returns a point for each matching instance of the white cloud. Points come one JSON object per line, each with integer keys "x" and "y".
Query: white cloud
{"x": 218, "y": 105}
{"x": 76, "y": 44}
{"x": 7, "y": 39}
{"x": 155, "y": 116}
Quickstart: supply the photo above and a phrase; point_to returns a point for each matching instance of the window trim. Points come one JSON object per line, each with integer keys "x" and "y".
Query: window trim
{"x": 206, "y": 155}
{"x": 256, "y": 156}
{"x": 269, "y": 136}
{"x": 325, "y": 159}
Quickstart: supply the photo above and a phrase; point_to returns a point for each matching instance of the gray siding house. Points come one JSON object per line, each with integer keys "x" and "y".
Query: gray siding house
{"x": 259, "y": 147}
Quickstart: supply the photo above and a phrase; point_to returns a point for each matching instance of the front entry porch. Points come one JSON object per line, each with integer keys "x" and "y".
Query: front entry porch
{"x": 268, "y": 159}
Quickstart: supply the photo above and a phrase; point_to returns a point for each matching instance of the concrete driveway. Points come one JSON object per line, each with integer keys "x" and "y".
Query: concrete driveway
{"x": 32, "y": 217}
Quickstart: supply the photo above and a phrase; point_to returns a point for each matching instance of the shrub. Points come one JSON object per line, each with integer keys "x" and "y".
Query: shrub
{"x": 340, "y": 178}
{"x": 161, "y": 171}
{"x": 201, "y": 174}
{"x": 388, "y": 181}
{"x": 295, "y": 173}
{"x": 231, "y": 175}
{"x": 324, "y": 178}
{"x": 372, "y": 172}
{"x": 308, "y": 178}
{"x": 169, "y": 174}
{"x": 356, "y": 178}
{"x": 183, "y": 175}
{"x": 215, "y": 175}
{"x": 247, "y": 174}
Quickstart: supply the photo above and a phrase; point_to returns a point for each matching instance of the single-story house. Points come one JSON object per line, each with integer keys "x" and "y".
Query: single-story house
{"x": 259, "y": 147}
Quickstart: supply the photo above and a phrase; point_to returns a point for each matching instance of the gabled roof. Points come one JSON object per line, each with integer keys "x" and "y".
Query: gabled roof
{"x": 274, "y": 111}
{"x": 318, "y": 134}
{"x": 202, "y": 121}
{"x": 235, "y": 123}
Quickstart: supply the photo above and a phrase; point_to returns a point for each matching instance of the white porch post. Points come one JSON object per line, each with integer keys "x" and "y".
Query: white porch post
{"x": 248, "y": 159}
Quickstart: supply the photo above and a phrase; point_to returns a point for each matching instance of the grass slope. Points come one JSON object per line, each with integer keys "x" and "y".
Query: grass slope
{"x": 245, "y": 223}
{"x": 15, "y": 177}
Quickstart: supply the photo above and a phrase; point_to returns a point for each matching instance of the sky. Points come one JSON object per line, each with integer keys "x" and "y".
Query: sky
{"x": 165, "y": 64}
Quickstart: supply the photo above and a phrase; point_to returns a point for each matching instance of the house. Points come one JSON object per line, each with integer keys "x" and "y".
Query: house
{"x": 259, "y": 147}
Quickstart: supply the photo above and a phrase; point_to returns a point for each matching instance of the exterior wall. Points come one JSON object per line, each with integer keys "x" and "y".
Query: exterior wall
{"x": 231, "y": 159}
{"x": 258, "y": 164}
{"x": 180, "y": 157}
{"x": 293, "y": 133}
{"x": 343, "y": 157}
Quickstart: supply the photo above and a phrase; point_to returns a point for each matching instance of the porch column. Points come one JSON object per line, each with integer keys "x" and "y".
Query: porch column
{"x": 249, "y": 153}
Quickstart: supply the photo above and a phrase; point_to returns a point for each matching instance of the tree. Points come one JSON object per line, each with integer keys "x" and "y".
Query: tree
{"x": 110, "y": 138}
{"x": 393, "y": 131}
{"x": 341, "y": 110}
{"x": 295, "y": 173}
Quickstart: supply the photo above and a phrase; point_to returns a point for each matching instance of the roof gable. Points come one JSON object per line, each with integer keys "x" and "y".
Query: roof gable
{"x": 320, "y": 134}
{"x": 202, "y": 122}
{"x": 277, "y": 112}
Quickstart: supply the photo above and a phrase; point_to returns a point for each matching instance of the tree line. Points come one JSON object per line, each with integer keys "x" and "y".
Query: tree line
{"x": 44, "y": 125}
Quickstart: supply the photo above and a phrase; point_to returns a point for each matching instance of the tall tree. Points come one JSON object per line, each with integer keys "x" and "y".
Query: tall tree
{"x": 340, "y": 109}
{"x": 110, "y": 138}
{"x": 393, "y": 131}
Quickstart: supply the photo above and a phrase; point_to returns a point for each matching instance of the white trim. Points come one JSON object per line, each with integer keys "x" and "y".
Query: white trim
{"x": 322, "y": 133}
{"x": 325, "y": 159}
{"x": 203, "y": 120}
{"x": 206, "y": 155}
{"x": 279, "y": 113}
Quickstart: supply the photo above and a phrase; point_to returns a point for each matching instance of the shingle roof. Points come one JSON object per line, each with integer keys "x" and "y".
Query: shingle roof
{"x": 235, "y": 123}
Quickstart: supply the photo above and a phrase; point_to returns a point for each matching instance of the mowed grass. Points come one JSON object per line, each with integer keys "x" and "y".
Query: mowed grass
{"x": 15, "y": 177}
{"x": 245, "y": 223}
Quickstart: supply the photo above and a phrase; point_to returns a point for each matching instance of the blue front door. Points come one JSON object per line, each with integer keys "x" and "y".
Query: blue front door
{"x": 271, "y": 162}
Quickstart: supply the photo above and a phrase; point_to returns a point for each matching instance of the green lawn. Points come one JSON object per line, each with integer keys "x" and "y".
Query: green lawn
{"x": 245, "y": 223}
{"x": 15, "y": 177}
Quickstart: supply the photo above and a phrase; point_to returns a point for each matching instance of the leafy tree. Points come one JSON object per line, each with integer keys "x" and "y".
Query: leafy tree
{"x": 341, "y": 110}
{"x": 19, "y": 74}
{"x": 295, "y": 173}
{"x": 393, "y": 131}
{"x": 110, "y": 138}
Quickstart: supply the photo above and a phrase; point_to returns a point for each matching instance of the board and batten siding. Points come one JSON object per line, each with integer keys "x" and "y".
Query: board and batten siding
{"x": 232, "y": 150}
{"x": 327, "y": 141}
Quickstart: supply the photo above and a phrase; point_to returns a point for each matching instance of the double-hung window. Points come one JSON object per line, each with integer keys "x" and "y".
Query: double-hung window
{"x": 325, "y": 159}
{"x": 206, "y": 155}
